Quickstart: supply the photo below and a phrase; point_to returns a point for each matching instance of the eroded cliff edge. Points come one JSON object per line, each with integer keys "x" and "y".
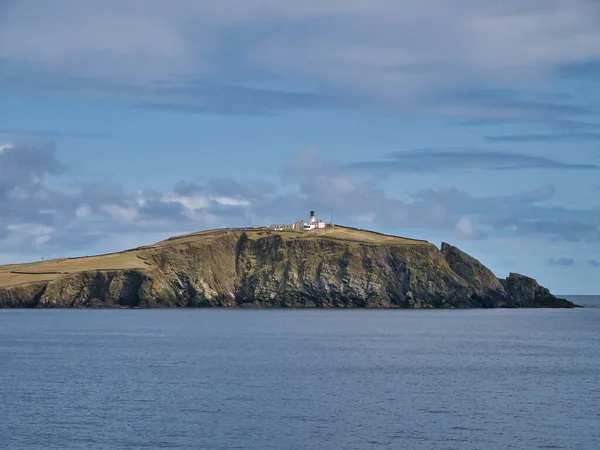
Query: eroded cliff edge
{"x": 332, "y": 268}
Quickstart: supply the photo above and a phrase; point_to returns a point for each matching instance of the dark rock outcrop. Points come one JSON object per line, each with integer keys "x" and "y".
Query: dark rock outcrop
{"x": 472, "y": 271}
{"x": 525, "y": 292}
{"x": 274, "y": 270}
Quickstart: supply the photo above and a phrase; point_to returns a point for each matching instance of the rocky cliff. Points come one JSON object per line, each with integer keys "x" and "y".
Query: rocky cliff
{"x": 338, "y": 267}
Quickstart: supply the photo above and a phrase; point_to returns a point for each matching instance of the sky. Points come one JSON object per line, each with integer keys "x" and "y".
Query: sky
{"x": 473, "y": 122}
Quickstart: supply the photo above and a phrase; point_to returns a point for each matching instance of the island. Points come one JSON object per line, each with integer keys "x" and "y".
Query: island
{"x": 278, "y": 266}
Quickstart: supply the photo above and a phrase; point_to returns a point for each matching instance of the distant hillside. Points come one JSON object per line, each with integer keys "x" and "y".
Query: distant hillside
{"x": 332, "y": 267}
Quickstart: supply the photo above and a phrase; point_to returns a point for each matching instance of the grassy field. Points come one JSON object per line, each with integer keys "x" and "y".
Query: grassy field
{"x": 338, "y": 233}
{"x": 17, "y": 274}
{"x": 55, "y": 268}
{"x": 363, "y": 236}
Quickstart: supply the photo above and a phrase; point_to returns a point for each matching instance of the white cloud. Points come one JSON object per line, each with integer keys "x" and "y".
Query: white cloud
{"x": 465, "y": 228}
{"x": 83, "y": 211}
{"x": 230, "y": 201}
{"x": 199, "y": 200}
{"x": 190, "y": 202}
{"x": 126, "y": 214}
{"x": 40, "y": 234}
{"x": 5, "y": 147}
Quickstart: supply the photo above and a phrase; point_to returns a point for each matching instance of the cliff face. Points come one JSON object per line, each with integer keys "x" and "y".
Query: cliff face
{"x": 280, "y": 270}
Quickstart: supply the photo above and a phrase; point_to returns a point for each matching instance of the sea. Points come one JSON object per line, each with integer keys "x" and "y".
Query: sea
{"x": 300, "y": 379}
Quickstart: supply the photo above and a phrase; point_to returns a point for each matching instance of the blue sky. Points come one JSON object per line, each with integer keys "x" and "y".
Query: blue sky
{"x": 474, "y": 122}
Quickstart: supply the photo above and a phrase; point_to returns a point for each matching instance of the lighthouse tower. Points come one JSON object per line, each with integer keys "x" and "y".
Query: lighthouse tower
{"x": 313, "y": 223}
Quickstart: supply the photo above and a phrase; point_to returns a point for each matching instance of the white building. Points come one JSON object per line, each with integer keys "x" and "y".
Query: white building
{"x": 313, "y": 223}
{"x": 283, "y": 226}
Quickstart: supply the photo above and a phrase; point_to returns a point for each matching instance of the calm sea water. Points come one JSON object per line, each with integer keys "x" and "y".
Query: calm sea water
{"x": 299, "y": 379}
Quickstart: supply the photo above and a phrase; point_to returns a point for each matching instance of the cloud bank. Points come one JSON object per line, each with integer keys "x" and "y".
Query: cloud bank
{"x": 313, "y": 54}
{"x": 435, "y": 160}
{"x": 42, "y": 212}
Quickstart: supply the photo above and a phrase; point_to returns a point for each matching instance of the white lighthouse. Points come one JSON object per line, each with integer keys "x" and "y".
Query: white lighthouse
{"x": 313, "y": 223}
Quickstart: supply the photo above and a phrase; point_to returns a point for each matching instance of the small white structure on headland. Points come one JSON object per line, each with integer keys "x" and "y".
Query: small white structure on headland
{"x": 283, "y": 226}
{"x": 312, "y": 224}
